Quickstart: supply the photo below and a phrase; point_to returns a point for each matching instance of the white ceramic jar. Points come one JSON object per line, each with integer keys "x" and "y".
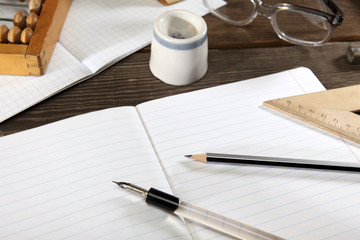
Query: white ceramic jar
{"x": 179, "y": 47}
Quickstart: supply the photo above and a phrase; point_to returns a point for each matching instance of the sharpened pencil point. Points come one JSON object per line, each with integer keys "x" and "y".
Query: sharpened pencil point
{"x": 188, "y": 156}
{"x": 199, "y": 157}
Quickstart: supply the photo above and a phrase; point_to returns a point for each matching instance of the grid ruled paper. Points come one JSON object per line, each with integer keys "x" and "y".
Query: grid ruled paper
{"x": 291, "y": 203}
{"x": 18, "y": 93}
{"x": 95, "y": 35}
{"x": 100, "y": 32}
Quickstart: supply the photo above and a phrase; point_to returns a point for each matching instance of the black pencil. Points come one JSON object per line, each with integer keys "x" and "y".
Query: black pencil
{"x": 275, "y": 161}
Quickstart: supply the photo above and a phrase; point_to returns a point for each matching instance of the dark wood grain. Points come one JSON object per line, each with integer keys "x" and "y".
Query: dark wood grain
{"x": 130, "y": 82}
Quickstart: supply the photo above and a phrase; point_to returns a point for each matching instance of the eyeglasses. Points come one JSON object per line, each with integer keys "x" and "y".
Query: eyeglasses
{"x": 292, "y": 23}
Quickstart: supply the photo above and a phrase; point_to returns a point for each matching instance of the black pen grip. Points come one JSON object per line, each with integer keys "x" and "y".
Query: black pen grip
{"x": 162, "y": 200}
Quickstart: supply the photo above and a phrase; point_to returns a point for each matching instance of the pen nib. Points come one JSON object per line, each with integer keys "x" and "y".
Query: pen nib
{"x": 121, "y": 184}
{"x": 131, "y": 187}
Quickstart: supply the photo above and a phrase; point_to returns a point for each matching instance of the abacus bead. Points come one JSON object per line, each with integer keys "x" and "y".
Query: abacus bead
{"x": 14, "y": 35}
{"x": 35, "y": 6}
{"x": 26, "y": 35}
{"x": 4, "y": 30}
{"x": 31, "y": 20}
{"x": 20, "y": 20}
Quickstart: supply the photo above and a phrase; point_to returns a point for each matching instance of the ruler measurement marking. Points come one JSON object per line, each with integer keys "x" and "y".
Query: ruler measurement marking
{"x": 318, "y": 118}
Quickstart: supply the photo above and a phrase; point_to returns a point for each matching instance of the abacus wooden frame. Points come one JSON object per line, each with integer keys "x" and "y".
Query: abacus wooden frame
{"x": 33, "y": 59}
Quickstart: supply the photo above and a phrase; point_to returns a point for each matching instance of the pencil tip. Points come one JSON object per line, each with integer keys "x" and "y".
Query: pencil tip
{"x": 188, "y": 156}
{"x": 199, "y": 157}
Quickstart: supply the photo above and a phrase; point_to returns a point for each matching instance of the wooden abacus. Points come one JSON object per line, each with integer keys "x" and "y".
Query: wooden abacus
{"x": 32, "y": 55}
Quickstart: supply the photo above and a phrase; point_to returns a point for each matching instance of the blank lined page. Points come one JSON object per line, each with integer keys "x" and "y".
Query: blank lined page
{"x": 100, "y": 32}
{"x": 292, "y": 203}
{"x": 56, "y": 181}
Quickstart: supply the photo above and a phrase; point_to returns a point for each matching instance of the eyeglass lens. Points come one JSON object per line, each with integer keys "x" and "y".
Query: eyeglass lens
{"x": 301, "y": 25}
{"x": 290, "y": 24}
{"x": 235, "y": 11}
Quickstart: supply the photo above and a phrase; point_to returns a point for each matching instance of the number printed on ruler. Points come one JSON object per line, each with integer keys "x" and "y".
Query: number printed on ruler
{"x": 343, "y": 123}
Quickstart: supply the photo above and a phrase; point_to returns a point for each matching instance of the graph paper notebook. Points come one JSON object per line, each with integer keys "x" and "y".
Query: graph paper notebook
{"x": 95, "y": 35}
{"x": 56, "y": 180}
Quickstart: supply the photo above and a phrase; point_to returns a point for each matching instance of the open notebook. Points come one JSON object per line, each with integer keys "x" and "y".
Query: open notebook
{"x": 56, "y": 180}
{"x": 95, "y": 35}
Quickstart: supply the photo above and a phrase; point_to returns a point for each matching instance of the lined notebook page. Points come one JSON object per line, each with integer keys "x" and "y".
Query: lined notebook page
{"x": 19, "y": 92}
{"x": 292, "y": 203}
{"x": 56, "y": 181}
{"x": 100, "y": 32}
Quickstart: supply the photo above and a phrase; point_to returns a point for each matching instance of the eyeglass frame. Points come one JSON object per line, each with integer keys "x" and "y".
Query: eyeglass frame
{"x": 269, "y": 11}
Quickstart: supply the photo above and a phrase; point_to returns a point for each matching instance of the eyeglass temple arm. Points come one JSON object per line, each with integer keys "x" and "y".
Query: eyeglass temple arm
{"x": 339, "y": 14}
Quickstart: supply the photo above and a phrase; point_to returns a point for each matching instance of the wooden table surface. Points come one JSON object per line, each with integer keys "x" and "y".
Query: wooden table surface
{"x": 235, "y": 54}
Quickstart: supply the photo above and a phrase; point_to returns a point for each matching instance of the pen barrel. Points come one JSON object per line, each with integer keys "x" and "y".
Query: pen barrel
{"x": 221, "y": 223}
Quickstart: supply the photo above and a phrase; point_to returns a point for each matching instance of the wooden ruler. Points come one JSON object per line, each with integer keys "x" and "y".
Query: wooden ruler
{"x": 333, "y": 110}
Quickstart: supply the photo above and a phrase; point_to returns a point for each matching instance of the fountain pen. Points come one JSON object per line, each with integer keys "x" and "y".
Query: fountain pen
{"x": 197, "y": 214}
